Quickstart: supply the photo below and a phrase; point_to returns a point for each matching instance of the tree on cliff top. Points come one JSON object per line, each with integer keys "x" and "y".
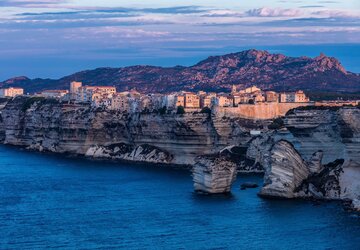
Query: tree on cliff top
{"x": 180, "y": 110}
{"x": 276, "y": 124}
{"x": 162, "y": 111}
{"x": 206, "y": 110}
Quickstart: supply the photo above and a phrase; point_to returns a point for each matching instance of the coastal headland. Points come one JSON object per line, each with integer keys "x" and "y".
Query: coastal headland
{"x": 188, "y": 138}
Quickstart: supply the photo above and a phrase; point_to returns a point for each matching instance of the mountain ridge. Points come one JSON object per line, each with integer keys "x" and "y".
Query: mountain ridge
{"x": 215, "y": 73}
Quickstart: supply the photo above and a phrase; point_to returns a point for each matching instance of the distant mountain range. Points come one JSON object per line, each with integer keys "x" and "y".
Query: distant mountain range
{"x": 216, "y": 73}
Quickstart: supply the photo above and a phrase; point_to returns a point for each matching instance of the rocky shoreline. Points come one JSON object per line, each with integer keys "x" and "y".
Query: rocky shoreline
{"x": 215, "y": 147}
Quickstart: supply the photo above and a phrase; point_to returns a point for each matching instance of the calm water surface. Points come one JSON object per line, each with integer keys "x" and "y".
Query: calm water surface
{"x": 49, "y": 201}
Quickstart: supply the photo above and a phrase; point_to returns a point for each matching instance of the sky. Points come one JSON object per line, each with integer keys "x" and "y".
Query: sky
{"x": 48, "y": 38}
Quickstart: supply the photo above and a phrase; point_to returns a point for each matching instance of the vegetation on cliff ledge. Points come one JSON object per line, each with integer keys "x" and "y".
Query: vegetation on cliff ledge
{"x": 37, "y": 99}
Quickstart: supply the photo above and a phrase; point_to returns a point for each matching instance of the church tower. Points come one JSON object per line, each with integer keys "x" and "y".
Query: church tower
{"x": 233, "y": 89}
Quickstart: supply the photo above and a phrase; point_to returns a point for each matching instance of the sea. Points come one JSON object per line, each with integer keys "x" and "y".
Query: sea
{"x": 52, "y": 201}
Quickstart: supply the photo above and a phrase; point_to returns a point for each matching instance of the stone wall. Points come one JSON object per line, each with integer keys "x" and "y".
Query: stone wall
{"x": 262, "y": 111}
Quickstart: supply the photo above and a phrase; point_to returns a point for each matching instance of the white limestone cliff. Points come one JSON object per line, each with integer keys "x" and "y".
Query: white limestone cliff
{"x": 287, "y": 171}
{"x": 288, "y": 175}
{"x": 213, "y": 176}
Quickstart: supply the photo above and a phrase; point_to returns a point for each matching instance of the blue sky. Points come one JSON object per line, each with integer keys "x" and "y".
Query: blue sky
{"x": 47, "y": 38}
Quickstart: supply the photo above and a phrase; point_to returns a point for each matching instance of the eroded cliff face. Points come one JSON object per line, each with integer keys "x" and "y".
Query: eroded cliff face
{"x": 288, "y": 175}
{"x": 286, "y": 171}
{"x": 214, "y": 175}
{"x": 316, "y": 154}
{"x": 336, "y": 132}
{"x": 46, "y": 125}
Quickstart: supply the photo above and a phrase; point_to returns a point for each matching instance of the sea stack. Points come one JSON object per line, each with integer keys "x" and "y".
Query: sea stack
{"x": 286, "y": 171}
{"x": 213, "y": 175}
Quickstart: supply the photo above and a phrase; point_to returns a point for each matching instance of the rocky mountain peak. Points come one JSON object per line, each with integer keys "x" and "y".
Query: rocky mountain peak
{"x": 256, "y": 54}
{"x": 16, "y": 79}
{"x": 325, "y": 63}
{"x": 216, "y": 73}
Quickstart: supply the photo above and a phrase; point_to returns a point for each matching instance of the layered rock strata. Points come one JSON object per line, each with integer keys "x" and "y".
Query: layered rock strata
{"x": 213, "y": 175}
{"x": 287, "y": 170}
{"x": 47, "y": 125}
{"x": 288, "y": 175}
{"x": 121, "y": 151}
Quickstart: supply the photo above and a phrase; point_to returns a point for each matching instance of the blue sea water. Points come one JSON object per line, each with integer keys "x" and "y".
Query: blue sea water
{"x": 50, "y": 201}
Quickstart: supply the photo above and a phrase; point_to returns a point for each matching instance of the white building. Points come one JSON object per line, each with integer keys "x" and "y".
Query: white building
{"x": 74, "y": 88}
{"x": 170, "y": 101}
{"x": 120, "y": 101}
{"x": 60, "y": 93}
{"x": 287, "y": 97}
{"x": 11, "y": 92}
{"x": 224, "y": 101}
{"x": 250, "y": 90}
{"x": 85, "y": 93}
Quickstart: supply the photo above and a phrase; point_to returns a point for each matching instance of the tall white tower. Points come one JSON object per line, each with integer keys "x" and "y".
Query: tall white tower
{"x": 74, "y": 87}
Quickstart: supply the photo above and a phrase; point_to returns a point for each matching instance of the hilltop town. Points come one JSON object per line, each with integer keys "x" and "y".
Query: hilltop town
{"x": 250, "y": 102}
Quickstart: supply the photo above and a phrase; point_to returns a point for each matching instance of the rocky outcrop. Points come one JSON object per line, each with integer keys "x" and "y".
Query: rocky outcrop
{"x": 121, "y": 151}
{"x": 335, "y": 131}
{"x": 288, "y": 175}
{"x": 314, "y": 164}
{"x": 259, "y": 149}
{"x": 213, "y": 175}
{"x": 216, "y": 173}
{"x": 287, "y": 170}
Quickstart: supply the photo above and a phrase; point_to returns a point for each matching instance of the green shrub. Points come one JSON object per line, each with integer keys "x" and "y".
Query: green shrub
{"x": 180, "y": 110}
{"x": 276, "y": 124}
{"x": 162, "y": 111}
{"x": 27, "y": 104}
{"x": 205, "y": 110}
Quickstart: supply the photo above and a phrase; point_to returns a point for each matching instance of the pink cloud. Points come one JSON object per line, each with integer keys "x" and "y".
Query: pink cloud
{"x": 274, "y": 12}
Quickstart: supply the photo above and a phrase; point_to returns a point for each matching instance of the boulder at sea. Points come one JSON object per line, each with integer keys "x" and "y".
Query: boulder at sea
{"x": 213, "y": 175}
{"x": 248, "y": 185}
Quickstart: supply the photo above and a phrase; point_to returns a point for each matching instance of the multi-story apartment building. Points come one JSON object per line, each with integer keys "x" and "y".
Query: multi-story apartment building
{"x": 85, "y": 93}
{"x": 169, "y": 101}
{"x": 74, "y": 87}
{"x": 224, "y": 101}
{"x": 192, "y": 100}
{"x": 120, "y": 101}
{"x": 298, "y": 96}
{"x": 146, "y": 103}
{"x": 301, "y": 97}
{"x": 180, "y": 100}
{"x": 207, "y": 100}
{"x": 250, "y": 90}
{"x": 287, "y": 97}
{"x": 55, "y": 93}
{"x": 11, "y": 92}
{"x": 271, "y": 96}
